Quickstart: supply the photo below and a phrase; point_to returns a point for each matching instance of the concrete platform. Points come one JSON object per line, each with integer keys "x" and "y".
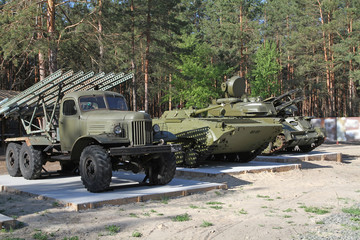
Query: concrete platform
{"x": 7, "y": 222}
{"x": 298, "y": 157}
{"x": 125, "y": 188}
{"x": 212, "y": 169}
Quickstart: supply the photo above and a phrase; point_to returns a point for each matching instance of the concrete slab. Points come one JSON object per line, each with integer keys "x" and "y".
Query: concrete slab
{"x": 211, "y": 169}
{"x": 298, "y": 157}
{"x": 7, "y": 222}
{"x": 125, "y": 188}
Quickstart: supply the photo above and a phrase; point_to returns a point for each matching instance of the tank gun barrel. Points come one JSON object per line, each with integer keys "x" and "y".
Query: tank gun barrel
{"x": 197, "y": 112}
{"x": 289, "y": 103}
{"x": 275, "y": 100}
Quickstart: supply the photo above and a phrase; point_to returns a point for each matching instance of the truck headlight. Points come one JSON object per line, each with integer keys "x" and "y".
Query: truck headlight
{"x": 117, "y": 130}
{"x": 156, "y": 128}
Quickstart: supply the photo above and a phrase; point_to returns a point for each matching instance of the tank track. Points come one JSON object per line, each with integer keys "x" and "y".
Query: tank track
{"x": 194, "y": 148}
{"x": 308, "y": 148}
{"x": 241, "y": 157}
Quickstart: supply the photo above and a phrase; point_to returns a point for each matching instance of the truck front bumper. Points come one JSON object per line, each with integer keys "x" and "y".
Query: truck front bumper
{"x": 141, "y": 150}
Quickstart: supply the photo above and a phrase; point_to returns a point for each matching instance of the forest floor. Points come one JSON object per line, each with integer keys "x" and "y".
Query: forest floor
{"x": 319, "y": 201}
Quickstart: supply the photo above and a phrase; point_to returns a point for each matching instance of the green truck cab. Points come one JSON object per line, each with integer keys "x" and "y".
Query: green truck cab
{"x": 92, "y": 132}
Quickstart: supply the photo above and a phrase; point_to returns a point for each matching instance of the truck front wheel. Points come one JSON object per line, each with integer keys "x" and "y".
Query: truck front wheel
{"x": 162, "y": 169}
{"x": 30, "y": 161}
{"x": 12, "y": 159}
{"x": 95, "y": 168}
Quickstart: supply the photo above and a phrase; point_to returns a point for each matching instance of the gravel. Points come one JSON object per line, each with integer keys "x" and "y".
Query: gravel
{"x": 338, "y": 226}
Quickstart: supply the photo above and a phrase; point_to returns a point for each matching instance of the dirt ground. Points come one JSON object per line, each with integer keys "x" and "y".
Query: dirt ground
{"x": 287, "y": 205}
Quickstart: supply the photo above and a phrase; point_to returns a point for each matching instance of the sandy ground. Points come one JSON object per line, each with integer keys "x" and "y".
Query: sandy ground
{"x": 256, "y": 206}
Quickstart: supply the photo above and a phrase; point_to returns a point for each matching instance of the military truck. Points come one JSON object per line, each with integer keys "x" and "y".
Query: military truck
{"x": 73, "y": 118}
{"x": 297, "y": 131}
{"x": 220, "y": 138}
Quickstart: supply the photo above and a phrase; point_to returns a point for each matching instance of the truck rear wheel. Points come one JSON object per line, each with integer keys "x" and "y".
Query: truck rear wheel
{"x": 30, "y": 161}
{"x": 162, "y": 170}
{"x": 95, "y": 168}
{"x": 12, "y": 159}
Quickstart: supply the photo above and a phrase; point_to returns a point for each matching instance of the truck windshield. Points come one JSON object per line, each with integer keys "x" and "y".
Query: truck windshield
{"x": 116, "y": 102}
{"x": 89, "y": 103}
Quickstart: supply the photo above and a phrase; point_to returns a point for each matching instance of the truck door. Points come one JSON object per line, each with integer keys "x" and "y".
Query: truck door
{"x": 69, "y": 124}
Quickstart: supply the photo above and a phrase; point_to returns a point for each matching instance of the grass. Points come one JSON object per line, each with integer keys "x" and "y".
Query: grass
{"x": 193, "y": 206}
{"x": 353, "y": 228}
{"x": 353, "y": 211}
{"x": 40, "y": 235}
{"x": 71, "y": 238}
{"x": 133, "y": 215}
{"x": 288, "y": 210}
{"x": 165, "y": 200}
{"x": 218, "y": 193}
{"x": 113, "y": 229}
{"x": 242, "y": 211}
{"x": 146, "y": 214}
{"x": 320, "y": 222}
{"x": 277, "y": 228}
{"x": 214, "y": 203}
{"x": 315, "y": 210}
{"x": 206, "y": 224}
{"x": 216, "y": 207}
{"x": 56, "y": 204}
{"x": 262, "y": 196}
{"x": 136, "y": 234}
{"x": 287, "y": 216}
{"x": 181, "y": 218}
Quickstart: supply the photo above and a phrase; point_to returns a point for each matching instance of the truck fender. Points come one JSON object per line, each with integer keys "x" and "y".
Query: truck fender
{"x": 80, "y": 144}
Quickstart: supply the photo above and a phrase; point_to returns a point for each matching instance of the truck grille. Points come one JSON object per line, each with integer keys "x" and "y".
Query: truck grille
{"x": 141, "y": 132}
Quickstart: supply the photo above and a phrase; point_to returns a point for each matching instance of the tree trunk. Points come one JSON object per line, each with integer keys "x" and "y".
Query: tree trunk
{"x": 147, "y": 52}
{"x": 170, "y": 86}
{"x": 328, "y": 83}
{"x": 133, "y": 66}
{"x": 241, "y": 67}
{"x": 41, "y": 57}
{"x": 51, "y": 38}
{"x": 100, "y": 32}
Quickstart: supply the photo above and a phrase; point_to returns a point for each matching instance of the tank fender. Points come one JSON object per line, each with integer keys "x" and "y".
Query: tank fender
{"x": 165, "y": 136}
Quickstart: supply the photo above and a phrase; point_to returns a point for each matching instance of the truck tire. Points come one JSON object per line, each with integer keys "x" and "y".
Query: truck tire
{"x": 162, "y": 169}
{"x": 95, "y": 168}
{"x": 30, "y": 161}
{"x": 12, "y": 159}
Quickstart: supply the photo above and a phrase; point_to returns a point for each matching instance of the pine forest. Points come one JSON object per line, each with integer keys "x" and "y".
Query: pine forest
{"x": 180, "y": 51}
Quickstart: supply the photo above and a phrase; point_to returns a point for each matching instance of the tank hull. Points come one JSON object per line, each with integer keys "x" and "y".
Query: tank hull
{"x": 237, "y": 137}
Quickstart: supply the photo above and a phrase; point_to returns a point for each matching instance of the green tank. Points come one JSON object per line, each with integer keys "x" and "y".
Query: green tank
{"x": 297, "y": 132}
{"x": 222, "y": 138}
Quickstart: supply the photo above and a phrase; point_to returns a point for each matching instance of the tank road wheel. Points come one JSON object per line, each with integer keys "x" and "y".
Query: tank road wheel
{"x": 12, "y": 159}
{"x": 162, "y": 169}
{"x": 95, "y": 168}
{"x": 30, "y": 161}
{"x": 191, "y": 158}
{"x": 307, "y": 148}
{"x": 278, "y": 145}
{"x": 231, "y": 157}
